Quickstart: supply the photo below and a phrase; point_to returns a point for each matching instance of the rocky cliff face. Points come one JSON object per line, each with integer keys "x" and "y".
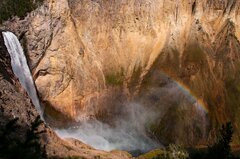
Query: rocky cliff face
{"x": 86, "y": 55}
{"x": 18, "y": 118}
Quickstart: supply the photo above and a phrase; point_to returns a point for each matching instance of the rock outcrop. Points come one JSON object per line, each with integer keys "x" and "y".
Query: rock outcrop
{"x": 86, "y": 54}
{"x": 17, "y": 117}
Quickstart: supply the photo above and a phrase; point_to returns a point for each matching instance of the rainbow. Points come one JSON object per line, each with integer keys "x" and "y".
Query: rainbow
{"x": 188, "y": 92}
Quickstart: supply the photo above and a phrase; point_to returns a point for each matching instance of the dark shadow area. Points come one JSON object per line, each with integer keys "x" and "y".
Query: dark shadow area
{"x": 11, "y": 8}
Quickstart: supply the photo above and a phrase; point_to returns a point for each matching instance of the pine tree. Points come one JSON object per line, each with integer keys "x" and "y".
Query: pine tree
{"x": 221, "y": 149}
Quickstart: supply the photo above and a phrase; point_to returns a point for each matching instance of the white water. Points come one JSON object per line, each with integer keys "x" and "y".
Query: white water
{"x": 132, "y": 121}
{"x": 20, "y": 67}
{"x": 128, "y": 133}
{"x": 129, "y": 130}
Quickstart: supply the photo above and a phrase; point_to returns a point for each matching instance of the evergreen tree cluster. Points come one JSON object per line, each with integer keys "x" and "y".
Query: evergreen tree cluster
{"x": 10, "y": 8}
{"x": 11, "y": 147}
{"x": 220, "y": 150}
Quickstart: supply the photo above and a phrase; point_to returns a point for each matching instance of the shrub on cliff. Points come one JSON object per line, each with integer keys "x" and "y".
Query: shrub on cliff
{"x": 13, "y": 147}
{"x": 173, "y": 152}
{"x": 10, "y": 8}
{"x": 221, "y": 149}
{"x": 170, "y": 152}
{"x": 115, "y": 79}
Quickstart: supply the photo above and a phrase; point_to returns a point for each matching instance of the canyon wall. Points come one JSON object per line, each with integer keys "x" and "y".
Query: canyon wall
{"x": 86, "y": 55}
{"x": 23, "y": 135}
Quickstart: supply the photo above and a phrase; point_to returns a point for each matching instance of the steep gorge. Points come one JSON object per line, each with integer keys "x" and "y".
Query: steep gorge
{"x": 18, "y": 115}
{"x": 89, "y": 55}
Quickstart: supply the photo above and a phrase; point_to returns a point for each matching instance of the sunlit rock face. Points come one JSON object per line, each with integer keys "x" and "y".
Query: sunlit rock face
{"x": 86, "y": 55}
{"x": 18, "y": 116}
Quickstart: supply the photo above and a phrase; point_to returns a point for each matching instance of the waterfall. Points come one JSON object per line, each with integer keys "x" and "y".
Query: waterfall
{"x": 20, "y": 67}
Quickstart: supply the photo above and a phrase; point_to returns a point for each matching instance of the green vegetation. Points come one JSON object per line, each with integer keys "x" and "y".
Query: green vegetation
{"x": 171, "y": 152}
{"x": 115, "y": 79}
{"x": 27, "y": 147}
{"x": 220, "y": 150}
{"x": 10, "y": 8}
{"x": 135, "y": 78}
{"x": 152, "y": 154}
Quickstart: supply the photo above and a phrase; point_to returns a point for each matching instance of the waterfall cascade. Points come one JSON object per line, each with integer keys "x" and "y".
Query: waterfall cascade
{"x": 20, "y": 68}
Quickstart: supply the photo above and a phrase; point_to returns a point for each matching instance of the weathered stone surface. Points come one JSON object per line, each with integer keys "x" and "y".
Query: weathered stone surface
{"x": 15, "y": 104}
{"x": 83, "y": 53}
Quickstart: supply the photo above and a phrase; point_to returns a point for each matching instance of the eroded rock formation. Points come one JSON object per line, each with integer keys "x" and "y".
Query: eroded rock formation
{"x": 87, "y": 54}
{"x": 17, "y": 116}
